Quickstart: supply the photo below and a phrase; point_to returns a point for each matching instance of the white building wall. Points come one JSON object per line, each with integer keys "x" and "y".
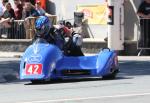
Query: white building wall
{"x": 131, "y": 19}
{"x": 65, "y": 10}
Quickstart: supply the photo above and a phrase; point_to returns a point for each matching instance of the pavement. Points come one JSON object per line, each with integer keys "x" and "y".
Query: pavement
{"x": 19, "y": 54}
{"x": 9, "y": 66}
{"x": 10, "y": 54}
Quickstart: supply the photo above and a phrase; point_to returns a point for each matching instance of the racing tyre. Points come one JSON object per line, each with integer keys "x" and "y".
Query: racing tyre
{"x": 112, "y": 75}
{"x": 37, "y": 81}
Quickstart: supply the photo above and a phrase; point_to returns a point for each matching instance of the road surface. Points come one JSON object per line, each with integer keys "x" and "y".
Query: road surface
{"x": 131, "y": 86}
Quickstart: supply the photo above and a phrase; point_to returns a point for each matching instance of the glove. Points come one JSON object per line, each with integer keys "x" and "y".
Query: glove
{"x": 77, "y": 39}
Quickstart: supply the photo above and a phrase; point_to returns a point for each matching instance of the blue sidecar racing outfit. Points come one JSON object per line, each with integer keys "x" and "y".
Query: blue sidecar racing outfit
{"x": 51, "y": 57}
{"x": 43, "y": 61}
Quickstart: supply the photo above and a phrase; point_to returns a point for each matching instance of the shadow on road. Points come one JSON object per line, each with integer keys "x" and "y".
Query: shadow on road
{"x": 74, "y": 80}
{"x": 134, "y": 68}
{"x": 9, "y": 70}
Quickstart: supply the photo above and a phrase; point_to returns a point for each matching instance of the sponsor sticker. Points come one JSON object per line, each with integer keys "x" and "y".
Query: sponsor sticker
{"x": 35, "y": 58}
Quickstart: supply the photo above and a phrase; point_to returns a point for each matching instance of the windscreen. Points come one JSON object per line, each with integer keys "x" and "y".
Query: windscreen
{"x": 36, "y": 45}
{"x": 40, "y": 40}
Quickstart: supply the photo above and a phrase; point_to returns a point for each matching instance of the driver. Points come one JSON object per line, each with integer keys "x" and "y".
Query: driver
{"x": 43, "y": 26}
{"x": 53, "y": 35}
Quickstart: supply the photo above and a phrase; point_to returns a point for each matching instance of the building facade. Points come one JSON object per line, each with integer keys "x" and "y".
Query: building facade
{"x": 64, "y": 9}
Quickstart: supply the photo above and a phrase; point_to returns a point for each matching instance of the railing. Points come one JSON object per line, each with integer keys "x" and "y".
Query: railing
{"x": 21, "y": 29}
{"x": 144, "y": 34}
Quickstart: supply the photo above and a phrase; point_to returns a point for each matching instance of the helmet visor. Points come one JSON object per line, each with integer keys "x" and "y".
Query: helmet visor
{"x": 40, "y": 31}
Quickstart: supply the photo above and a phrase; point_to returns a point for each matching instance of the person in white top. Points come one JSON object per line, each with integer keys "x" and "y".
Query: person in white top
{"x": 1, "y": 10}
{"x": 2, "y": 4}
{"x": 3, "y": 21}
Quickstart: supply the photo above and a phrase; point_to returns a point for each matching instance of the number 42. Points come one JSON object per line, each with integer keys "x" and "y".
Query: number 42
{"x": 33, "y": 69}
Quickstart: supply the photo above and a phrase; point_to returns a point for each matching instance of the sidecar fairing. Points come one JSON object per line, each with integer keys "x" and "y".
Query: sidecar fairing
{"x": 42, "y": 61}
{"x": 100, "y": 65}
{"x": 39, "y": 60}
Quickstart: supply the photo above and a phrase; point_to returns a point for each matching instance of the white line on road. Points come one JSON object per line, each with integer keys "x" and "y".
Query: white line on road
{"x": 89, "y": 98}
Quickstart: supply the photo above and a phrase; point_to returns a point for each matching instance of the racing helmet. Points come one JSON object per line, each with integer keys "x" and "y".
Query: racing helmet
{"x": 42, "y": 26}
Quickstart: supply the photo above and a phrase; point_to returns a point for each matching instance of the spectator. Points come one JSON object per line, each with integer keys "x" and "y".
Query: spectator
{"x": 8, "y": 16}
{"x": 43, "y": 3}
{"x": 39, "y": 9}
{"x": 1, "y": 10}
{"x": 1, "y": 13}
{"x": 22, "y": 2}
{"x": 144, "y": 9}
{"x": 3, "y": 22}
{"x": 18, "y": 9}
{"x": 29, "y": 11}
{"x": 3, "y": 4}
{"x": 144, "y": 13}
{"x": 9, "y": 12}
{"x": 32, "y": 2}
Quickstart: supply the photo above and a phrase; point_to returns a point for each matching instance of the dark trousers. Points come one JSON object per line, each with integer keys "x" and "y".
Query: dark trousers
{"x": 144, "y": 40}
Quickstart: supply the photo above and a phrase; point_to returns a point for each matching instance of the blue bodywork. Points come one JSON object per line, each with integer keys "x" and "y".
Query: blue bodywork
{"x": 56, "y": 65}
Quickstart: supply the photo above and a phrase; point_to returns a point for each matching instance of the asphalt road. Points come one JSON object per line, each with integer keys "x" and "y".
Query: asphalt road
{"x": 131, "y": 86}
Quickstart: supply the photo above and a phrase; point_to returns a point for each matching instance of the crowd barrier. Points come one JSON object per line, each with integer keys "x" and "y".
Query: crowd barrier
{"x": 21, "y": 29}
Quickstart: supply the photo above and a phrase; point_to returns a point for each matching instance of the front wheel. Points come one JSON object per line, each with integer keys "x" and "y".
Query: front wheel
{"x": 37, "y": 81}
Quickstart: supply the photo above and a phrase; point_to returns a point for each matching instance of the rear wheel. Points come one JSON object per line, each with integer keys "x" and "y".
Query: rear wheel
{"x": 112, "y": 75}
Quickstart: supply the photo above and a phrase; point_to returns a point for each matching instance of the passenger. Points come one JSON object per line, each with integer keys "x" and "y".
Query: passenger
{"x": 74, "y": 46}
